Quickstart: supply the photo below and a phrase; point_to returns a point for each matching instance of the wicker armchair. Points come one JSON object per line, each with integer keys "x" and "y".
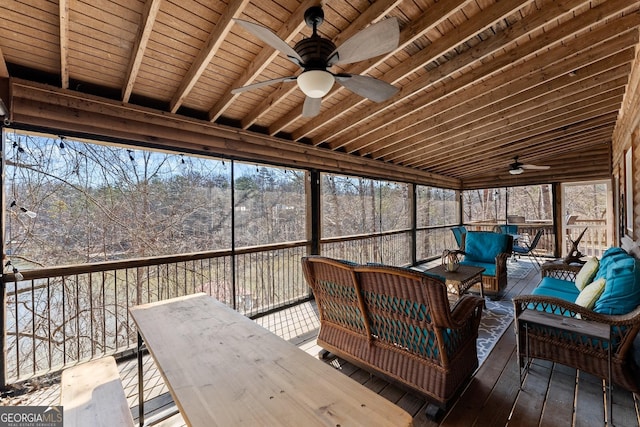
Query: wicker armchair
{"x": 396, "y": 323}
{"x": 494, "y": 279}
{"x": 573, "y": 349}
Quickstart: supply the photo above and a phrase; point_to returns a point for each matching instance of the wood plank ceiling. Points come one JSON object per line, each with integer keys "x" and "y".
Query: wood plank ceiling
{"x": 480, "y": 81}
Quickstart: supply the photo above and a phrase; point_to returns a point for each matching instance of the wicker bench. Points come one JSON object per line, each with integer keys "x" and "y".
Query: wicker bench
{"x": 92, "y": 395}
{"x": 556, "y": 296}
{"x": 396, "y": 323}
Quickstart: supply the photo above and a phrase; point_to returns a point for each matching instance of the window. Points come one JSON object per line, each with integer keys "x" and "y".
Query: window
{"x": 270, "y": 205}
{"x": 352, "y": 205}
{"x": 436, "y": 206}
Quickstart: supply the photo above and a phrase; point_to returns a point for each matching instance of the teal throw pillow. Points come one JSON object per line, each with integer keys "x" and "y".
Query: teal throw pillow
{"x": 622, "y": 289}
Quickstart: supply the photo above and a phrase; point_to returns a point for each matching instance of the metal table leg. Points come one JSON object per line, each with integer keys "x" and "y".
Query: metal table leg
{"x": 140, "y": 381}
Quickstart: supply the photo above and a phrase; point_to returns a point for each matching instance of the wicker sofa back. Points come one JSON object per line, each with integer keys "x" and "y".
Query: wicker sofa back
{"x": 618, "y": 307}
{"x": 396, "y": 323}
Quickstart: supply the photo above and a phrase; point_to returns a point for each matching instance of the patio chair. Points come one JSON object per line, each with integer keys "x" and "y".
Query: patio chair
{"x": 528, "y": 248}
{"x": 458, "y": 232}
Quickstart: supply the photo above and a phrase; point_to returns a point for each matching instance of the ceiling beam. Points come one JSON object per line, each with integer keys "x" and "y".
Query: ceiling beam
{"x": 211, "y": 46}
{"x": 438, "y": 13}
{"x": 4, "y": 71}
{"x": 63, "y": 7}
{"x": 595, "y": 170}
{"x": 446, "y": 97}
{"x": 449, "y": 41}
{"x": 629, "y": 118}
{"x": 441, "y": 98}
{"x": 558, "y": 141}
{"x": 497, "y": 96}
{"x": 287, "y": 32}
{"x": 373, "y": 13}
{"x": 538, "y": 136}
{"x": 479, "y": 65}
{"x": 147, "y": 19}
{"x": 590, "y": 160}
{"x": 487, "y": 132}
{"x": 40, "y": 105}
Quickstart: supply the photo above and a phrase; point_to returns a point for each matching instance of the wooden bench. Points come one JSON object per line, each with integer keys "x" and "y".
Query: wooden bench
{"x": 92, "y": 395}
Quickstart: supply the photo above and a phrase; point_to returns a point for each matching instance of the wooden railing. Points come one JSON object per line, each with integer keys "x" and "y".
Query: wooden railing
{"x": 527, "y": 230}
{"x": 56, "y": 317}
{"x": 431, "y": 242}
{"x": 594, "y": 240}
{"x": 392, "y": 248}
{"x": 593, "y": 243}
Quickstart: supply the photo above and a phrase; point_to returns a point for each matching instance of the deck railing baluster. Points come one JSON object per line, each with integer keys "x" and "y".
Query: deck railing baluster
{"x": 96, "y": 297}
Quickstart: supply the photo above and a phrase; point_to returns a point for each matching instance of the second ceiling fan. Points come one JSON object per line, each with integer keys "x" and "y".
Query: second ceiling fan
{"x": 316, "y": 54}
{"x": 516, "y": 168}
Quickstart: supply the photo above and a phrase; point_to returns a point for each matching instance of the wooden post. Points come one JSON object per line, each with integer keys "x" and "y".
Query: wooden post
{"x": 313, "y": 215}
{"x": 414, "y": 222}
{"x": 3, "y": 288}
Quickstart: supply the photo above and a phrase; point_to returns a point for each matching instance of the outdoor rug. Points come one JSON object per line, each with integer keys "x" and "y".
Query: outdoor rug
{"x": 496, "y": 318}
{"x": 519, "y": 269}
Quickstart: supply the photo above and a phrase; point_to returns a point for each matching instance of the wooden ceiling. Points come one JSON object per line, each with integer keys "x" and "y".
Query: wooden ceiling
{"x": 480, "y": 81}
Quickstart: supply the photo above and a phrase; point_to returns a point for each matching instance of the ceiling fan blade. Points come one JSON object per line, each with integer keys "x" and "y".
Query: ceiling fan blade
{"x": 534, "y": 167}
{"x": 368, "y": 87}
{"x": 376, "y": 39}
{"x": 264, "y": 83}
{"x": 311, "y": 107}
{"x": 267, "y": 36}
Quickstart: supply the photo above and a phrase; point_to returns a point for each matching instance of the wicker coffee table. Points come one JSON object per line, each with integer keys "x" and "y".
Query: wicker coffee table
{"x": 459, "y": 281}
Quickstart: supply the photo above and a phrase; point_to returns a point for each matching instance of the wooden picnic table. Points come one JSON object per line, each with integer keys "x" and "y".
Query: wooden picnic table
{"x": 223, "y": 369}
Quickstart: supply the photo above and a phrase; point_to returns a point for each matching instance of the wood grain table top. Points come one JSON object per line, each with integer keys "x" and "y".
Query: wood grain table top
{"x": 223, "y": 369}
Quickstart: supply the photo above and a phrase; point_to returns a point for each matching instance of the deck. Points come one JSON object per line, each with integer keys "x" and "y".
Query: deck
{"x": 553, "y": 395}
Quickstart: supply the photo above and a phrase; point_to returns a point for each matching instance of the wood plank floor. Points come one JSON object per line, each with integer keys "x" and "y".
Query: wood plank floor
{"x": 552, "y": 395}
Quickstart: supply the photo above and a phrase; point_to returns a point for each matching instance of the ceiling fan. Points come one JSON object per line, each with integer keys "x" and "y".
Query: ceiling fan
{"x": 316, "y": 54}
{"x": 516, "y": 168}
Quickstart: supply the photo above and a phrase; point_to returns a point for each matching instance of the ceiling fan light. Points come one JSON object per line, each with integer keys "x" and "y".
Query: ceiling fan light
{"x": 516, "y": 171}
{"x": 315, "y": 83}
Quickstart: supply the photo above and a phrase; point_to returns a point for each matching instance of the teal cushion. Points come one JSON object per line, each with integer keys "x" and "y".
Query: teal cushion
{"x": 552, "y": 287}
{"x": 485, "y": 246}
{"x": 348, "y": 262}
{"x": 609, "y": 256}
{"x": 622, "y": 289}
{"x": 489, "y": 267}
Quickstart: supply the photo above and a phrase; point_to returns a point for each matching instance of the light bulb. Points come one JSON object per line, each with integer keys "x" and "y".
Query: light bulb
{"x": 19, "y": 277}
{"x": 315, "y": 83}
{"x": 29, "y": 213}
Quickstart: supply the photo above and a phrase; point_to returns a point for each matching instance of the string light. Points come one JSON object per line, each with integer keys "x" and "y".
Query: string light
{"x": 130, "y": 155}
{"x": 18, "y": 147}
{"x": 19, "y": 277}
{"x": 62, "y": 146}
{"x": 182, "y": 159}
{"x": 29, "y": 213}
